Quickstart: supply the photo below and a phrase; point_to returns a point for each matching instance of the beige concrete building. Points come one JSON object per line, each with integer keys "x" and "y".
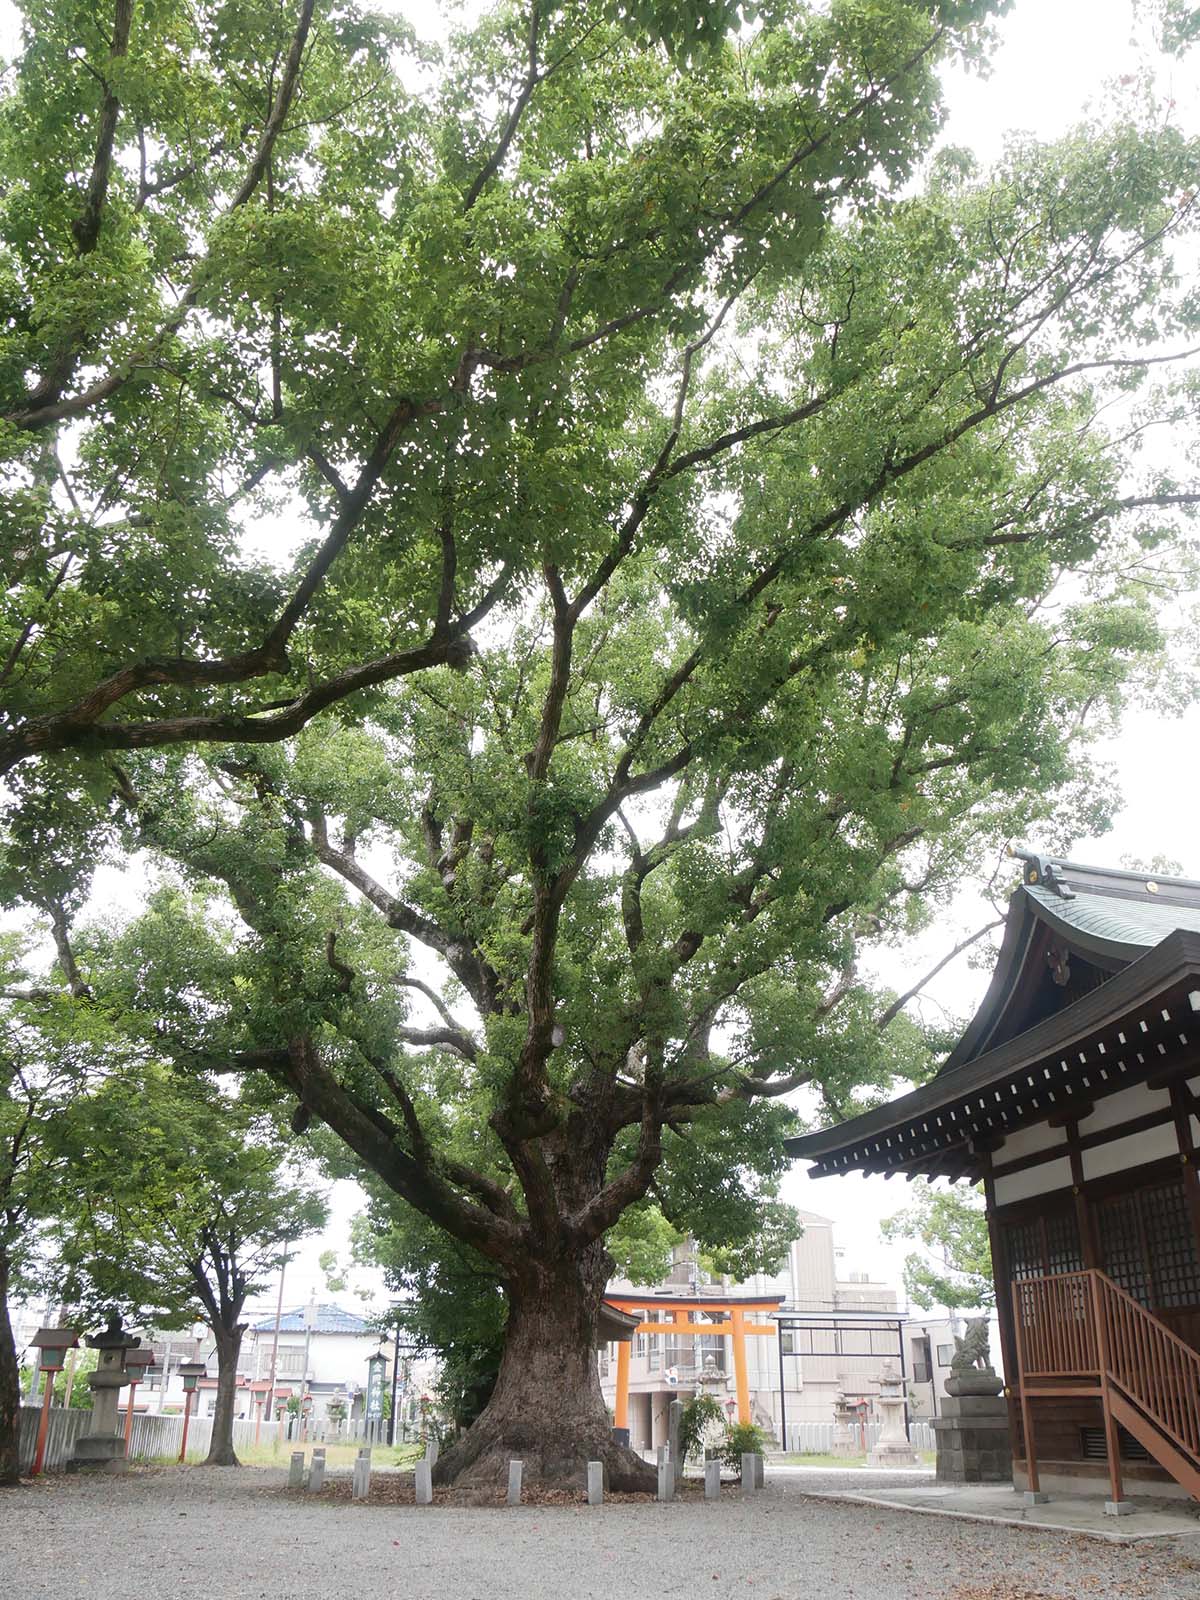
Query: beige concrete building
{"x": 843, "y": 1327}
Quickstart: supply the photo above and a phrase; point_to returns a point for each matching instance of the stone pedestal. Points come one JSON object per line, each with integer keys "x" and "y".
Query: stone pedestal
{"x": 102, "y": 1447}
{"x": 973, "y": 1444}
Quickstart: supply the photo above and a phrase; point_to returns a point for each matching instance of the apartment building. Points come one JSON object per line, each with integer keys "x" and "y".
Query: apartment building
{"x": 838, "y": 1327}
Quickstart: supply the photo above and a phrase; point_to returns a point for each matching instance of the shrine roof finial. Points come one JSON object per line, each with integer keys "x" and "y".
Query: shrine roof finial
{"x": 1042, "y": 871}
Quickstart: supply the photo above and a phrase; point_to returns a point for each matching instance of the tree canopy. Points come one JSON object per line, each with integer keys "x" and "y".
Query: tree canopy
{"x": 782, "y": 521}
{"x": 183, "y": 1210}
{"x": 126, "y": 1185}
{"x": 953, "y": 1266}
{"x": 54, "y": 1057}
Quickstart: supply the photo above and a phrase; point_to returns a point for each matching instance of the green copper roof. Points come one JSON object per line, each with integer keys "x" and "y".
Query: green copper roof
{"x": 1113, "y": 920}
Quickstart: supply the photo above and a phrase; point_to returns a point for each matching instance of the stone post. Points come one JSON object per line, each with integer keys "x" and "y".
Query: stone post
{"x": 515, "y": 1469}
{"x": 360, "y": 1487}
{"x": 674, "y": 1425}
{"x": 595, "y": 1483}
{"x": 712, "y": 1480}
{"x": 666, "y": 1480}
{"x": 424, "y": 1483}
{"x": 102, "y": 1447}
{"x": 749, "y": 1473}
{"x": 431, "y": 1451}
{"x": 316, "y": 1472}
{"x": 296, "y": 1470}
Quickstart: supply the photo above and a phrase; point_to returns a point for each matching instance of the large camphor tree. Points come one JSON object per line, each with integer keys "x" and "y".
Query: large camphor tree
{"x": 782, "y": 527}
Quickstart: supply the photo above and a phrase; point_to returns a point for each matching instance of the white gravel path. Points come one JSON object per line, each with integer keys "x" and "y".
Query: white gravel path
{"x": 227, "y": 1534}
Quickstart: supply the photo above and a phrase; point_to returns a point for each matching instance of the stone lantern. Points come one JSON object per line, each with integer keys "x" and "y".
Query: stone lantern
{"x": 893, "y": 1448}
{"x": 845, "y": 1426}
{"x": 102, "y": 1448}
{"x": 712, "y": 1380}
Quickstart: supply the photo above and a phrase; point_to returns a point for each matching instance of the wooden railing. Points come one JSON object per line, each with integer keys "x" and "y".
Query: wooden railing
{"x": 1151, "y": 1365}
{"x": 1056, "y": 1326}
{"x": 1079, "y": 1332}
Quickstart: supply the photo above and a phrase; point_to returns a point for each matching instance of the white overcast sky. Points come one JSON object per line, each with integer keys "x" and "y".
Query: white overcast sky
{"x": 1054, "y": 62}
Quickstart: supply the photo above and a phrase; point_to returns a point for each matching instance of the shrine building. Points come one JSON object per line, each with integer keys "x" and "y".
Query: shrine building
{"x": 1073, "y": 1098}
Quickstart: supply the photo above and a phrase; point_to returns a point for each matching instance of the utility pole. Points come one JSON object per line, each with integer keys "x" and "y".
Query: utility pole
{"x": 269, "y": 1403}
{"x": 310, "y": 1322}
{"x": 395, "y": 1384}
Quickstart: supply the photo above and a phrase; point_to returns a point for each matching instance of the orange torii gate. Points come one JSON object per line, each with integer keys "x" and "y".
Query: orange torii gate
{"x": 733, "y": 1309}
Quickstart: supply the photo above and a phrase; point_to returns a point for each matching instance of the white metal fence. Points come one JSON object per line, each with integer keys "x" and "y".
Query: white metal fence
{"x": 816, "y": 1438}
{"x": 153, "y": 1437}
{"x": 64, "y": 1428}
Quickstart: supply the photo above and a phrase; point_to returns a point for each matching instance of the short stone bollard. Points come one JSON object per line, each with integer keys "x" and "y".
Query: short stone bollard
{"x": 749, "y": 1473}
{"x": 316, "y": 1472}
{"x": 666, "y": 1480}
{"x": 595, "y": 1483}
{"x": 515, "y": 1469}
{"x": 424, "y": 1480}
{"x": 712, "y": 1480}
{"x": 360, "y": 1484}
{"x": 760, "y": 1470}
{"x": 296, "y": 1470}
{"x": 674, "y": 1430}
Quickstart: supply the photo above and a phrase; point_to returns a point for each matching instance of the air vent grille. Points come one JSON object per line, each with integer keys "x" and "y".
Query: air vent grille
{"x": 1092, "y": 1445}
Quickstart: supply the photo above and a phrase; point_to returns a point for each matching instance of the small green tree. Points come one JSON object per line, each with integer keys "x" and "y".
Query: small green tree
{"x": 953, "y": 1267}
{"x": 186, "y": 1206}
{"x": 701, "y": 1412}
{"x": 55, "y": 1050}
{"x": 743, "y": 1438}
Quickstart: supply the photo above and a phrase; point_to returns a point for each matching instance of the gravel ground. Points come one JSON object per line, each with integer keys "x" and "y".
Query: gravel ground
{"x": 165, "y": 1533}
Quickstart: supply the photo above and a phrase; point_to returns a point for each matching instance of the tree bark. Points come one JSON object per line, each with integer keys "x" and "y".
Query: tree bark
{"x": 220, "y": 1450}
{"x": 547, "y": 1409}
{"x": 10, "y": 1387}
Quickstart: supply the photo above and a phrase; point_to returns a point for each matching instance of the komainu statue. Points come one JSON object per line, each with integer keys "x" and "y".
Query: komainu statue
{"x": 972, "y": 1351}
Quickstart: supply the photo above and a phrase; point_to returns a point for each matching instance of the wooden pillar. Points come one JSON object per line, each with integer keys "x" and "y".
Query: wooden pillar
{"x": 737, "y": 1318}
{"x": 1032, "y": 1482}
{"x": 621, "y": 1408}
{"x": 1112, "y": 1443}
{"x": 1085, "y": 1218}
{"x": 1181, "y": 1105}
{"x": 1004, "y": 1305}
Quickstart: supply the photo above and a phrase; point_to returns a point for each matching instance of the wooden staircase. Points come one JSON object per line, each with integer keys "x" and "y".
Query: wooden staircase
{"x": 1079, "y": 1334}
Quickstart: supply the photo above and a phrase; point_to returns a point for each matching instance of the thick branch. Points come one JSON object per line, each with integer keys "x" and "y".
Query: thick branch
{"x": 44, "y": 405}
{"x": 513, "y": 120}
{"x": 493, "y": 1236}
{"x": 43, "y": 735}
{"x": 897, "y": 1006}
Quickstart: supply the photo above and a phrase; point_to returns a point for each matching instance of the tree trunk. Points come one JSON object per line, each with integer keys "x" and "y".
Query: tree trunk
{"x": 220, "y": 1450}
{"x": 547, "y": 1409}
{"x": 10, "y": 1387}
